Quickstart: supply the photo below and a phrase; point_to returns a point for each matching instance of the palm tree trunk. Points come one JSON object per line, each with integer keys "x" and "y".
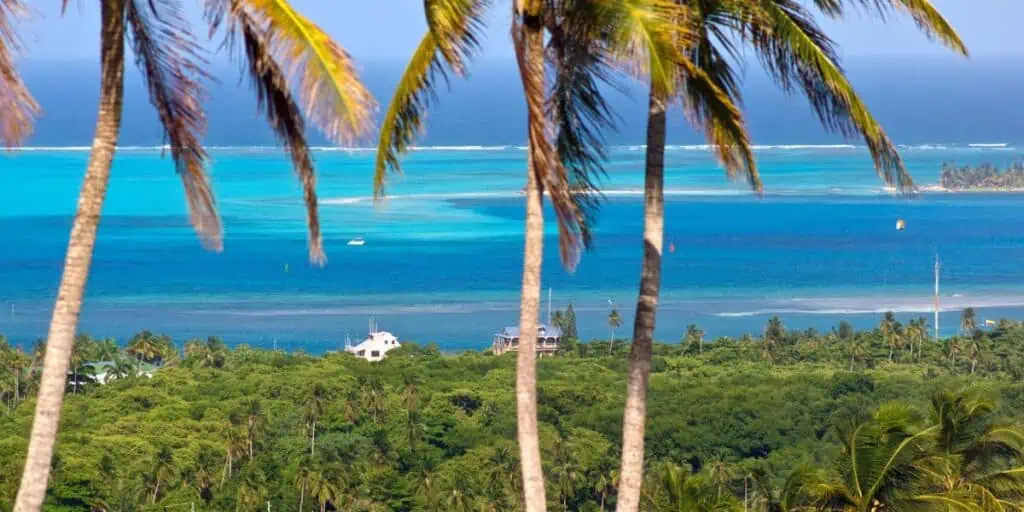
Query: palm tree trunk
{"x": 974, "y": 363}
{"x": 302, "y": 495}
{"x": 646, "y": 308}
{"x": 532, "y": 55}
{"x": 64, "y": 321}
{"x": 312, "y": 441}
{"x": 851, "y": 362}
{"x": 74, "y": 375}
{"x": 611, "y": 342}
{"x": 890, "y": 353}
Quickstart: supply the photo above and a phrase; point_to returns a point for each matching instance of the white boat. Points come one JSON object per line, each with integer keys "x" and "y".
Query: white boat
{"x": 357, "y": 241}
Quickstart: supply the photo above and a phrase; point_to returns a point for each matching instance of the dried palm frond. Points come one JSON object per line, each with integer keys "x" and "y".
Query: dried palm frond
{"x": 454, "y": 36}
{"x": 285, "y": 118}
{"x": 17, "y": 107}
{"x": 325, "y": 77}
{"x": 170, "y": 61}
{"x": 576, "y": 106}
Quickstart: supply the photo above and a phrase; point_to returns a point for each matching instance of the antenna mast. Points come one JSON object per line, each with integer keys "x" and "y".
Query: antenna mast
{"x": 937, "y": 267}
{"x": 549, "y": 305}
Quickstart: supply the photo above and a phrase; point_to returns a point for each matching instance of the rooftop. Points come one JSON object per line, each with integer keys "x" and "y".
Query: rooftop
{"x": 542, "y": 330}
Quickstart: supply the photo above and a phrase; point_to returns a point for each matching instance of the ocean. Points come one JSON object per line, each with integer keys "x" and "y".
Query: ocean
{"x": 442, "y": 258}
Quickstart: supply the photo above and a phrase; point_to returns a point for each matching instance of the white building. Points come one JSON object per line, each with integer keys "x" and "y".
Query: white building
{"x": 375, "y": 346}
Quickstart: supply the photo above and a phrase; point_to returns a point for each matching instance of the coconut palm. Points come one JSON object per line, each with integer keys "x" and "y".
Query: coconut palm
{"x": 953, "y": 348}
{"x": 603, "y": 484}
{"x": 583, "y": 39}
{"x": 968, "y": 321}
{"x": 974, "y": 350}
{"x": 685, "y": 492}
{"x": 254, "y": 420}
{"x": 917, "y": 332}
{"x": 162, "y": 469}
{"x": 796, "y": 54}
{"x": 976, "y": 458}
{"x": 274, "y": 38}
{"x": 721, "y": 473}
{"x": 614, "y": 321}
{"x": 694, "y": 338}
{"x": 305, "y": 476}
{"x": 887, "y": 328}
{"x": 858, "y": 351}
{"x": 795, "y": 493}
{"x": 234, "y": 448}
{"x": 565, "y": 472}
{"x": 880, "y": 467}
{"x": 324, "y": 488}
{"x": 318, "y": 398}
{"x": 251, "y": 492}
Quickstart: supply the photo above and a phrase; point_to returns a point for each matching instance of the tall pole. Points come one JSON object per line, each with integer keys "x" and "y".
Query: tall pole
{"x": 937, "y": 267}
{"x": 549, "y": 305}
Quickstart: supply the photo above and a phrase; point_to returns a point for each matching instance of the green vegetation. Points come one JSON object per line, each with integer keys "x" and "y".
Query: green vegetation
{"x": 983, "y": 177}
{"x": 779, "y": 422}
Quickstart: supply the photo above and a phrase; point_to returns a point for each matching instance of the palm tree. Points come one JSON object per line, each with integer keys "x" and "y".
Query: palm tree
{"x": 314, "y": 410}
{"x": 952, "y": 349}
{"x": 974, "y": 349}
{"x": 968, "y": 321}
{"x": 975, "y": 457}
{"x": 162, "y": 470}
{"x": 614, "y": 321}
{"x": 251, "y": 492}
{"x": 880, "y": 467}
{"x": 794, "y": 494}
{"x": 411, "y": 392}
{"x": 234, "y": 448}
{"x": 273, "y": 34}
{"x": 603, "y": 484}
{"x": 305, "y": 476}
{"x": 773, "y": 334}
{"x": 253, "y": 423}
{"x": 888, "y": 327}
{"x": 796, "y": 53}
{"x": 686, "y": 492}
{"x": 574, "y": 114}
{"x": 565, "y": 471}
{"x": 858, "y": 351}
{"x": 695, "y": 337}
{"x": 721, "y": 474}
{"x": 917, "y": 332}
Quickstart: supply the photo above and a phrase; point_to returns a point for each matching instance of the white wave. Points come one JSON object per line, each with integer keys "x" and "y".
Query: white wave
{"x": 988, "y": 145}
{"x": 460, "y": 148}
{"x": 878, "y": 305}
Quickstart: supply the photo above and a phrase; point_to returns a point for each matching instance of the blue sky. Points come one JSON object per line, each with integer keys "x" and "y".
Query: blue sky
{"x": 374, "y": 30}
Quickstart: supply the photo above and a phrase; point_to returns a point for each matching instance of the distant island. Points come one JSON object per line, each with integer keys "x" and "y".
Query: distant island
{"x": 982, "y": 177}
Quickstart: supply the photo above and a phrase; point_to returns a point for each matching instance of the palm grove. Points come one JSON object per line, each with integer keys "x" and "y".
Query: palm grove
{"x": 566, "y": 51}
{"x": 730, "y": 429}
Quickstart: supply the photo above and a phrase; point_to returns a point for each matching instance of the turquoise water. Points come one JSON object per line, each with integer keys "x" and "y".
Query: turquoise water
{"x": 442, "y": 255}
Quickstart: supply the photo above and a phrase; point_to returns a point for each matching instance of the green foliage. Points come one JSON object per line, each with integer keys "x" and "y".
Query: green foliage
{"x": 229, "y": 428}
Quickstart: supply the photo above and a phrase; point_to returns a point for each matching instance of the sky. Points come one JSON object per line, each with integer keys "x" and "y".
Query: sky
{"x": 388, "y": 30}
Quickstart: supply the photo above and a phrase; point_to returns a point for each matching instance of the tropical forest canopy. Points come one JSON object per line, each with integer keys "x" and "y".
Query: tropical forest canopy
{"x": 748, "y": 420}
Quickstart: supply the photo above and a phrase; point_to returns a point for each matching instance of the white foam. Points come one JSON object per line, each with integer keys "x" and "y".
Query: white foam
{"x": 988, "y": 145}
{"x": 878, "y": 305}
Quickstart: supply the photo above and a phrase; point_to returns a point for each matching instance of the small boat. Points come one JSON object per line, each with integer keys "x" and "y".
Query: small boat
{"x": 357, "y": 241}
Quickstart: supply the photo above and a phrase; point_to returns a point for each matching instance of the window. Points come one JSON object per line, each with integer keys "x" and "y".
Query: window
{"x": 375, "y": 353}
{"x": 362, "y": 353}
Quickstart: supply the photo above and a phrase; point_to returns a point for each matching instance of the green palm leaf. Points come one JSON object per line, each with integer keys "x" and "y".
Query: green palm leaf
{"x": 924, "y": 14}
{"x": 796, "y": 53}
{"x": 454, "y": 36}
{"x": 325, "y": 77}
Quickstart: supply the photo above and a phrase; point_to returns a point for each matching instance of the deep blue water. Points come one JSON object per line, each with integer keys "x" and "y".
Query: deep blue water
{"x": 442, "y": 258}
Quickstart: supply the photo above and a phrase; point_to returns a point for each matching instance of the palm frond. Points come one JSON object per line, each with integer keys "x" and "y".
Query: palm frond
{"x": 283, "y": 114}
{"x": 323, "y": 73}
{"x": 543, "y": 159}
{"x": 169, "y": 58}
{"x": 576, "y": 104}
{"x": 711, "y": 96}
{"x": 454, "y": 36}
{"x": 646, "y": 36}
{"x": 795, "y": 52}
{"x": 925, "y": 16}
{"x": 17, "y": 106}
